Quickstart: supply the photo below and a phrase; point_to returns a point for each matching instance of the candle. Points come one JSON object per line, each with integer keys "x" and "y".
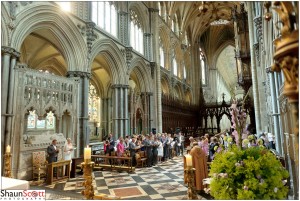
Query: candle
{"x": 8, "y": 149}
{"x": 189, "y": 161}
{"x": 87, "y": 153}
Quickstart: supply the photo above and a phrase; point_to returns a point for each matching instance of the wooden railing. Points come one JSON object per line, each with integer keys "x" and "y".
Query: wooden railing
{"x": 113, "y": 162}
{"x": 56, "y": 171}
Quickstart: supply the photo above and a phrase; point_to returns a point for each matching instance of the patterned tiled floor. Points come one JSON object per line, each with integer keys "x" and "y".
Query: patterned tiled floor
{"x": 161, "y": 182}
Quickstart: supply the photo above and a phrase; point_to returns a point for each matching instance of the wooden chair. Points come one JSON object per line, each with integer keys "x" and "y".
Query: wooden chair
{"x": 140, "y": 160}
{"x": 39, "y": 164}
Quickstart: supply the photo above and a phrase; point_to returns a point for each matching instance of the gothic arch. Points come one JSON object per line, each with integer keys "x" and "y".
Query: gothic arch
{"x": 114, "y": 58}
{"x": 177, "y": 88}
{"x": 98, "y": 85}
{"x": 220, "y": 49}
{"x": 4, "y": 26}
{"x": 142, "y": 14}
{"x": 139, "y": 67}
{"x": 60, "y": 25}
{"x": 188, "y": 96}
{"x": 165, "y": 85}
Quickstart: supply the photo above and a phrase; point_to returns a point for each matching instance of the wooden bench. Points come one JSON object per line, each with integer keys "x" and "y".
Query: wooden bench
{"x": 114, "y": 163}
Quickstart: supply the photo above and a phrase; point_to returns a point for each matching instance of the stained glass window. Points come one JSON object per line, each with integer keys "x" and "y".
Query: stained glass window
{"x": 203, "y": 67}
{"x": 32, "y": 117}
{"x": 93, "y": 104}
{"x": 50, "y": 119}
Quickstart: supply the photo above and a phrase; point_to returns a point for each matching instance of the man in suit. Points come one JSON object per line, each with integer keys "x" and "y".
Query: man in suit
{"x": 52, "y": 151}
{"x": 132, "y": 148}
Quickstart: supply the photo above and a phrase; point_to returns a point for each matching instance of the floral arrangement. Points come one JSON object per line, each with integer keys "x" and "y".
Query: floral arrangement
{"x": 238, "y": 119}
{"x": 252, "y": 173}
{"x": 243, "y": 172}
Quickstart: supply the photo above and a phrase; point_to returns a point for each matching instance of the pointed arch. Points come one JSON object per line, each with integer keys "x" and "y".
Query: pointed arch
{"x": 139, "y": 67}
{"x": 114, "y": 58}
{"x": 51, "y": 18}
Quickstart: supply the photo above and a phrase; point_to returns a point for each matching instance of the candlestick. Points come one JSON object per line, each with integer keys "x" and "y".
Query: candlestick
{"x": 8, "y": 149}
{"x": 190, "y": 180}
{"x": 88, "y": 192}
{"x": 7, "y": 165}
{"x": 189, "y": 161}
{"x": 87, "y": 154}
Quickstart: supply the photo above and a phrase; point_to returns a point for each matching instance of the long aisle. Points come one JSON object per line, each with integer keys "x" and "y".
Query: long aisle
{"x": 161, "y": 182}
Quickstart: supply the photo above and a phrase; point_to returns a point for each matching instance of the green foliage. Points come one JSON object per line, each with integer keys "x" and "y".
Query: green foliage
{"x": 248, "y": 174}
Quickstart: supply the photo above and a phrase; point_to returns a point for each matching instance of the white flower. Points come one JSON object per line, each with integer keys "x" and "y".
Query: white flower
{"x": 275, "y": 189}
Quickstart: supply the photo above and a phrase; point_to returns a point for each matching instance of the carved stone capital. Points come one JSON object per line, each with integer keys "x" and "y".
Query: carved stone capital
{"x": 152, "y": 67}
{"x": 7, "y": 50}
{"x": 11, "y": 51}
{"x": 90, "y": 34}
{"x": 269, "y": 69}
{"x": 80, "y": 74}
{"x": 128, "y": 53}
{"x": 258, "y": 25}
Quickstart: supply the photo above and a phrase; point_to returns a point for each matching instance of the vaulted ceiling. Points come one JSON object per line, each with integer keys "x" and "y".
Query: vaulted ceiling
{"x": 195, "y": 16}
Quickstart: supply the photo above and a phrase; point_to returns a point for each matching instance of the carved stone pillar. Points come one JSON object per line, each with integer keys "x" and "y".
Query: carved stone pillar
{"x": 275, "y": 112}
{"x": 9, "y": 59}
{"x": 123, "y": 28}
{"x": 83, "y": 95}
{"x": 126, "y": 117}
{"x": 148, "y": 46}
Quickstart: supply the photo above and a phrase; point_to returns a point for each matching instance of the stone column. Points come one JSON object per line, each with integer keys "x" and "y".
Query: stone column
{"x": 115, "y": 116}
{"x": 123, "y": 28}
{"x": 253, "y": 72}
{"x": 126, "y": 122}
{"x": 148, "y": 46}
{"x": 150, "y": 98}
{"x": 5, "y": 66}
{"x": 9, "y": 111}
{"x": 275, "y": 112}
{"x": 121, "y": 112}
{"x": 83, "y": 94}
{"x": 154, "y": 31}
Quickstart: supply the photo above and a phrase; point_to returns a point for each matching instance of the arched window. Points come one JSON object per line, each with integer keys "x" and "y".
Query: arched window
{"x": 175, "y": 26}
{"x": 136, "y": 33}
{"x": 94, "y": 101}
{"x": 161, "y": 54}
{"x": 175, "y": 72}
{"x": 203, "y": 67}
{"x": 104, "y": 14}
{"x": 34, "y": 123}
{"x": 184, "y": 72}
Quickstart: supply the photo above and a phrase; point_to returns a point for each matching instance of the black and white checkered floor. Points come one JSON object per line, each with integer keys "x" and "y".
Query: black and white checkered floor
{"x": 161, "y": 182}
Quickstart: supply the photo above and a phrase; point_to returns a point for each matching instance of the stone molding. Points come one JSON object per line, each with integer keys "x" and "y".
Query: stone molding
{"x": 79, "y": 74}
{"x": 123, "y": 86}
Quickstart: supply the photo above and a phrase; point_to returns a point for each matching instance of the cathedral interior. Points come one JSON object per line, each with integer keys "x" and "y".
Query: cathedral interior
{"x": 82, "y": 70}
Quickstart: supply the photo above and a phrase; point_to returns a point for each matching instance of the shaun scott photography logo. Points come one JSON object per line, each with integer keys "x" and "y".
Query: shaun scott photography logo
{"x": 22, "y": 195}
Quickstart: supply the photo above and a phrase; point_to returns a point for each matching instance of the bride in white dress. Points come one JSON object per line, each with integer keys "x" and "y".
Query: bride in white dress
{"x": 68, "y": 150}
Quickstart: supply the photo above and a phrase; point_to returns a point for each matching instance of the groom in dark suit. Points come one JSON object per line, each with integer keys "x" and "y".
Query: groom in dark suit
{"x": 52, "y": 151}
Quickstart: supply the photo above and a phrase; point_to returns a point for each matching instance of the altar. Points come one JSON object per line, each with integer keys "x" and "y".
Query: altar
{"x": 14, "y": 184}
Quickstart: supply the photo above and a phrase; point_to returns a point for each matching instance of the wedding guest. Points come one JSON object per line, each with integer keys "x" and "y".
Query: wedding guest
{"x": 160, "y": 150}
{"x": 120, "y": 147}
{"x": 132, "y": 148}
{"x": 181, "y": 143}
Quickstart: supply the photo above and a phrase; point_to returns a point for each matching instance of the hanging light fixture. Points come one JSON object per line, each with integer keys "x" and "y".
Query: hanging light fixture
{"x": 242, "y": 47}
